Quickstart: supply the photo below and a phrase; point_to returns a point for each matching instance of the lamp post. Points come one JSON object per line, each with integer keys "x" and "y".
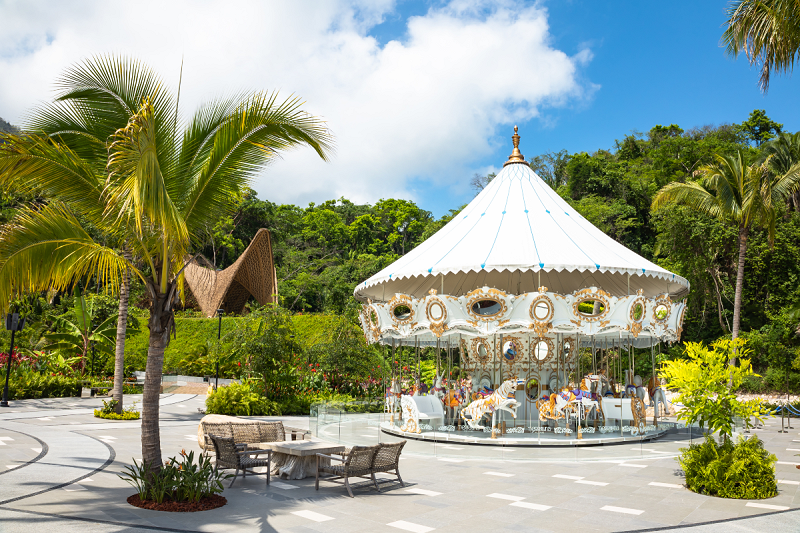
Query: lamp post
{"x": 220, "y": 312}
{"x": 91, "y": 343}
{"x": 13, "y": 323}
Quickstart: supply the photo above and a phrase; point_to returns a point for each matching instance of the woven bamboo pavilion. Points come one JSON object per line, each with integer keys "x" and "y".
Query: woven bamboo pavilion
{"x": 253, "y": 274}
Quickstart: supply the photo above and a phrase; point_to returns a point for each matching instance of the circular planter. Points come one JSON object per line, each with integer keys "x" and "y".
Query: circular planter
{"x": 205, "y": 504}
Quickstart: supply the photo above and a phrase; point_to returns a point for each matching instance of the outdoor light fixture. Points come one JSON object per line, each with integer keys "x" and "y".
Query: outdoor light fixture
{"x": 220, "y": 312}
{"x": 13, "y": 323}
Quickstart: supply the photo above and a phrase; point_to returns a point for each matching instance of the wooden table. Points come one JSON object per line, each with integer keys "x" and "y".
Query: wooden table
{"x": 298, "y": 459}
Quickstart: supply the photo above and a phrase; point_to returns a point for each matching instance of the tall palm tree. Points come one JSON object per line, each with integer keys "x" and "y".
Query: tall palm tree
{"x": 782, "y": 155}
{"x": 165, "y": 181}
{"x": 767, "y": 31}
{"x": 736, "y": 193}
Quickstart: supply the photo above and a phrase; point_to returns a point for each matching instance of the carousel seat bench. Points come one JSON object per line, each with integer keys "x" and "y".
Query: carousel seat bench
{"x": 430, "y": 409}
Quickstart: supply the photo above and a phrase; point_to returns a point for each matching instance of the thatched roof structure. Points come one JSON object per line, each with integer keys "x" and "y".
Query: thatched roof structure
{"x": 253, "y": 274}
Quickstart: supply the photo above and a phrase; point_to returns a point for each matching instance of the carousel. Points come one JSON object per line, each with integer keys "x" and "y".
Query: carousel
{"x": 543, "y": 315}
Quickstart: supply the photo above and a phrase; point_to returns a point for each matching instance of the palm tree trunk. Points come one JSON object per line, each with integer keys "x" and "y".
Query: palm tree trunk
{"x": 737, "y": 301}
{"x": 119, "y": 351}
{"x": 159, "y": 324}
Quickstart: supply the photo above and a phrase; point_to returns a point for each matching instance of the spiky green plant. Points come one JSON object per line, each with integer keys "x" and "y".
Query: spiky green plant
{"x": 744, "y": 469}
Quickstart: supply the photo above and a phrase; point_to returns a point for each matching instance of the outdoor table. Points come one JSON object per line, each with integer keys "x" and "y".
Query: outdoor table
{"x": 298, "y": 459}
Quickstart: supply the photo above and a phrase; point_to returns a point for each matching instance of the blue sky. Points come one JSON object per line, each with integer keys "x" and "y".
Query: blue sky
{"x": 419, "y": 95}
{"x": 654, "y": 63}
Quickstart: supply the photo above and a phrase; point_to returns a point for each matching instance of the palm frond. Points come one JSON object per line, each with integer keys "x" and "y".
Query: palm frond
{"x": 767, "y": 32}
{"x": 112, "y": 88}
{"x": 243, "y": 143}
{"x": 39, "y": 165}
{"x": 136, "y": 185}
{"x": 49, "y": 249}
{"x": 691, "y": 194}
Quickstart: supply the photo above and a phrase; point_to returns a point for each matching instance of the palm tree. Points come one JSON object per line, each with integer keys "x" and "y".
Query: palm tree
{"x": 165, "y": 181}
{"x": 767, "y": 31}
{"x": 738, "y": 194}
{"x": 782, "y": 155}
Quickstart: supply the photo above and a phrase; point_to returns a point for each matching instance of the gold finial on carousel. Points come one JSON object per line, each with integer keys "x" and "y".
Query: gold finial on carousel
{"x": 516, "y": 156}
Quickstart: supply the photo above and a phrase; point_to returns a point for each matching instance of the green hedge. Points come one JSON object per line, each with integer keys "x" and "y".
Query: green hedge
{"x": 192, "y": 334}
{"x": 126, "y": 415}
{"x": 28, "y": 384}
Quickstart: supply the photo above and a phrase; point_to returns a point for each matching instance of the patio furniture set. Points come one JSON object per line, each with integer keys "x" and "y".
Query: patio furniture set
{"x": 243, "y": 445}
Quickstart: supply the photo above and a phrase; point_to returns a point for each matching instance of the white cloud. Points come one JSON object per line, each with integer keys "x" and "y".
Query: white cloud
{"x": 424, "y": 108}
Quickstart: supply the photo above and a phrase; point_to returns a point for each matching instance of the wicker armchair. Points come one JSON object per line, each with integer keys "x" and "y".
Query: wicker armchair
{"x": 386, "y": 459}
{"x": 222, "y": 429}
{"x": 357, "y": 462}
{"x": 230, "y": 456}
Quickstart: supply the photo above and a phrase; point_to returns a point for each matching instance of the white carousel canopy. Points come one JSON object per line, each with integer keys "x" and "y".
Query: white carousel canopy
{"x": 516, "y": 236}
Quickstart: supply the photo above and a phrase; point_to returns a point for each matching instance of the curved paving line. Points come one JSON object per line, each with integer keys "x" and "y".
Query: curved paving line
{"x": 710, "y": 522}
{"x": 112, "y": 455}
{"x": 45, "y": 449}
{"x": 98, "y": 521}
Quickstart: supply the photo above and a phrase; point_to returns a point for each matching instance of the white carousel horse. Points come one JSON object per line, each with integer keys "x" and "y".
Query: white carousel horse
{"x": 603, "y": 384}
{"x": 393, "y": 398}
{"x": 438, "y": 388}
{"x": 657, "y": 396}
{"x": 641, "y": 392}
{"x": 502, "y": 398}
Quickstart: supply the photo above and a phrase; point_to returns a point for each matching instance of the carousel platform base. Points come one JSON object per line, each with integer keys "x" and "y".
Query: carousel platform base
{"x": 548, "y": 438}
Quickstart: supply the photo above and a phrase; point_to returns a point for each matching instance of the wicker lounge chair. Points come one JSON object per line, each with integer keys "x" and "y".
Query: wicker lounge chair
{"x": 230, "y": 456}
{"x": 357, "y": 462}
{"x": 386, "y": 459}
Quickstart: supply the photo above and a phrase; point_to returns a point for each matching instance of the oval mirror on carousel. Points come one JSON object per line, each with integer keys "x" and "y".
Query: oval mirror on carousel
{"x": 541, "y": 310}
{"x": 532, "y": 389}
{"x": 541, "y": 350}
{"x": 591, "y": 307}
{"x": 637, "y": 312}
{"x": 509, "y": 351}
{"x": 482, "y": 352}
{"x": 401, "y": 312}
{"x": 486, "y": 307}
{"x": 661, "y": 312}
{"x": 435, "y": 311}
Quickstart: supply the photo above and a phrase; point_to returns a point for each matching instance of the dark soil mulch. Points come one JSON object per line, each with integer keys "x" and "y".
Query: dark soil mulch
{"x": 205, "y": 504}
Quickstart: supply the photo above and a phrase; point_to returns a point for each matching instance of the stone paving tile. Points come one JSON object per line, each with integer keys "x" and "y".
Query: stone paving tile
{"x": 463, "y": 504}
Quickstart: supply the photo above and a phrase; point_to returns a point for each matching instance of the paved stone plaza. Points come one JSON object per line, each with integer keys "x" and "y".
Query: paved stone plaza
{"x": 59, "y": 466}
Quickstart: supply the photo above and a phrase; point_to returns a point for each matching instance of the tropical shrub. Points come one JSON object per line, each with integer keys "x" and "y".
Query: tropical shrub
{"x": 707, "y": 381}
{"x": 109, "y": 411}
{"x": 240, "y": 399}
{"x": 29, "y": 384}
{"x": 742, "y": 470}
{"x": 179, "y": 480}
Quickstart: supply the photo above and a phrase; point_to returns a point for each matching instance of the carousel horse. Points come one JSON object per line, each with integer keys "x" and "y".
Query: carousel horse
{"x": 438, "y": 389}
{"x": 502, "y": 398}
{"x": 604, "y": 384}
{"x": 393, "y": 398}
{"x": 657, "y": 396}
{"x": 452, "y": 402}
{"x": 641, "y": 392}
